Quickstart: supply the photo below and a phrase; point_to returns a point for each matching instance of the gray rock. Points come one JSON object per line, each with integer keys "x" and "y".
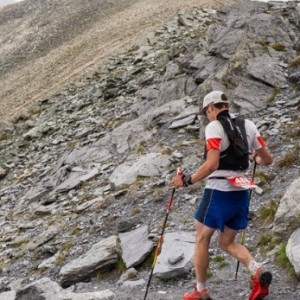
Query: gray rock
{"x": 134, "y": 283}
{"x": 76, "y": 178}
{"x": 251, "y": 95}
{"x": 287, "y": 215}
{"x": 3, "y": 172}
{"x": 265, "y": 69}
{"x": 224, "y": 41}
{"x": 11, "y": 295}
{"x": 37, "y": 241}
{"x": 128, "y": 274}
{"x": 148, "y": 165}
{"x": 135, "y": 246}
{"x": 179, "y": 244}
{"x": 101, "y": 257}
{"x": 43, "y": 289}
{"x": 292, "y": 251}
{"x": 99, "y": 295}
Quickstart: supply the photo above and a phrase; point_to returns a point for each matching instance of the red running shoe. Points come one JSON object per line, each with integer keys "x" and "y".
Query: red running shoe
{"x": 260, "y": 284}
{"x": 195, "y": 295}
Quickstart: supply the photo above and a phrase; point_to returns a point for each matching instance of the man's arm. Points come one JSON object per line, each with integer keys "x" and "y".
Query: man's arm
{"x": 210, "y": 165}
{"x": 263, "y": 157}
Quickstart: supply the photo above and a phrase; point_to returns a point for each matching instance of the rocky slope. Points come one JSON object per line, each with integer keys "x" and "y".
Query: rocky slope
{"x": 46, "y": 43}
{"x": 94, "y": 161}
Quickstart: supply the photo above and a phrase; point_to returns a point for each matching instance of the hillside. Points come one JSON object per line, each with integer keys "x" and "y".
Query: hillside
{"x": 86, "y": 163}
{"x": 45, "y": 44}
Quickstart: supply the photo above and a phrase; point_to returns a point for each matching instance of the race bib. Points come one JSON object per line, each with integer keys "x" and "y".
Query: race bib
{"x": 241, "y": 181}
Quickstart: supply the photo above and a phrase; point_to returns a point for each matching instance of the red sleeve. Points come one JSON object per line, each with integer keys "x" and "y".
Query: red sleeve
{"x": 213, "y": 143}
{"x": 261, "y": 141}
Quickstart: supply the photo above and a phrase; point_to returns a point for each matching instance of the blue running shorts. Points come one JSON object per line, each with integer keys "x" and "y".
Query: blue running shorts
{"x": 218, "y": 208}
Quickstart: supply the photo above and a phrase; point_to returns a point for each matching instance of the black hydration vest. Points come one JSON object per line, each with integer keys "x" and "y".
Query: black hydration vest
{"x": 236, "y": 156}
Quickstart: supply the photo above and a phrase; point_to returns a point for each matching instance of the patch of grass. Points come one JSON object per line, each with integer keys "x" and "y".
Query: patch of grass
{"x": 166, "y": 151}
{"x": 264, "y": 45}
{"x": 267, "y": 242}
{"x": 209, "y": 273}
{"x": 285, "y": 13}
{"x": 275, "y": 240}
{"x": 220, "y": 261}
{"x": 276, "y": 91}
{"x": 295, "y": 62}
{"x": 140, "y": 147}
{"x": 136, "y": 211}
{"x": 139, "y": 181}
{"x": 120, "y": 266}
{"x": 264, "y": 177}
{"x": 291, "y": 158}
{"x": 76, "y": 230}
{"x": 61, "y": 258}
{"x": 278, "y": 47}
{"x": 148, "y": 262}
{"x": 20, "y": 242}
{"x": 3, "y": 136}
{"x": 283, "y": 261}
{"x": 267, "y": 213}
{"x": 199, "y": 33}
{"x": 264, "y": 240}
{"x": 100, "y": 276}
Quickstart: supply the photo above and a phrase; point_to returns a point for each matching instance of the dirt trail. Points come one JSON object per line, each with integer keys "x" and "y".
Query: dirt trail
{"x": 114, "y": 33}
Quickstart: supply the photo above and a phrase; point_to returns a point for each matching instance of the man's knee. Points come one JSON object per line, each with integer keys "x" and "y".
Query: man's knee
{"x": 224, "y": 244}
{"x": 202, "y": 239}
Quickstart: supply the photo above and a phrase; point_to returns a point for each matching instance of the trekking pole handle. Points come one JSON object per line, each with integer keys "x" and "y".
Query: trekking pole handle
{"x": 179, "y": 171}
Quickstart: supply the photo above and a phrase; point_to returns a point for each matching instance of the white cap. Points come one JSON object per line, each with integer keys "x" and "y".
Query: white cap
{"x": 213, "y": 98}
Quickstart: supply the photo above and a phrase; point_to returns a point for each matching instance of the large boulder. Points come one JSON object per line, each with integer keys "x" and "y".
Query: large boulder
{"x": 287, "y": 216}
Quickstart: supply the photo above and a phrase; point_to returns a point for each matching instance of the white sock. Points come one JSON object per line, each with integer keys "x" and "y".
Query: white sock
{"x": 253, "y": 266}
{"x": 201, "y": 286}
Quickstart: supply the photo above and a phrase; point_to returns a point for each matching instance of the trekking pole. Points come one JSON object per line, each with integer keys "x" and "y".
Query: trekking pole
{"x": 244, "y": 230}
{"x": 160, "y": 240}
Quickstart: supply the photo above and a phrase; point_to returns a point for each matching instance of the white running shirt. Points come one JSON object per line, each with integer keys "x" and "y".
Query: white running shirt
{"x": 216, "y": 138}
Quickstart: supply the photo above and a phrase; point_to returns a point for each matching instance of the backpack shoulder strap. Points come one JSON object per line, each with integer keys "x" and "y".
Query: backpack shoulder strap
{"x": 228, "y": 125}
{"x": 241, "y": 128}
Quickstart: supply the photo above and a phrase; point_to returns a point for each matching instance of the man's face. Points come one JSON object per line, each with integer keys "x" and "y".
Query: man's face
{"x": 208, "y": 111}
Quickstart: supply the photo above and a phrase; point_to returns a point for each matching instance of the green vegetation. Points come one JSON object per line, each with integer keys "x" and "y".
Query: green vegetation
{"x": 220, "y": 261}
{"x": 264, "y": 45}
{"x": 291, "y": 158}
{"x": 20, "y": 242}
{"x": 140, "y": 147}
{"x": 295, "y": 62}
{"x": 275, "y": 46}
{"x": 267, "y": 242}
{"x": 136, "y": 211}
{"x": 61, "y": 257}
{"x": 264, "y": 240}
{"x": 76, "y": 230}
{"x": 166, "y": 151}
{"x": 276, "y": 91}
{"x": 278, "y": 47}
{"x": 264, "y": 177}
{"x": 267, "y": 213}
{"x": 120, "y": 266}
{"x": 100, "y": 276}
{"x": 3, "y": 136}
{"x": 283, "y": 261}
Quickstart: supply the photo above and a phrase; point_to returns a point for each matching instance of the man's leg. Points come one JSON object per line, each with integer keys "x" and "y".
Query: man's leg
{"x": 260, "y": 280}
{"x": 227, "y": 243}
{"x": 201, "y": 262}
{"x": 201, "y": 256}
